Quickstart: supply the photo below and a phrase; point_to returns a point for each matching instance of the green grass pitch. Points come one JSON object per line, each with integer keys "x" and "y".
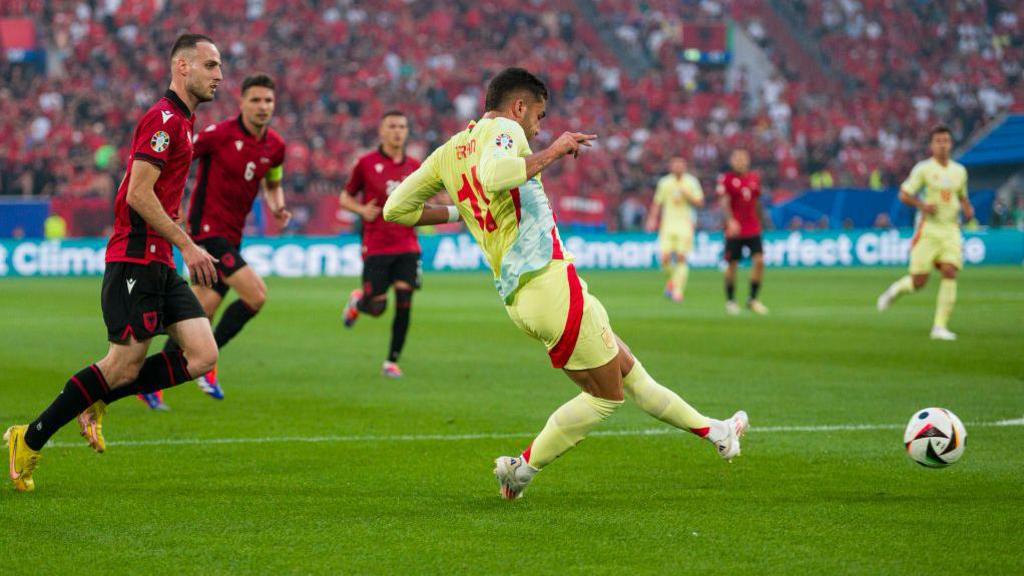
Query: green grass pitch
{"x": 315, "y": 464}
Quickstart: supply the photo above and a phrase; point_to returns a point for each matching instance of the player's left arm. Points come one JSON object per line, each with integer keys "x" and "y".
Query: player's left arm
{"x": 654, "y": 212}
{"x": 695, "y": 195}
{"x": 273, "y": 193}
{"x": 965, "y": 202}
{"x": 408, "y": 206}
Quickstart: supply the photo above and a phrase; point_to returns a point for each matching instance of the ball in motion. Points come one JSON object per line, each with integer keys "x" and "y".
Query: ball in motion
{"x": 935, "y": 438}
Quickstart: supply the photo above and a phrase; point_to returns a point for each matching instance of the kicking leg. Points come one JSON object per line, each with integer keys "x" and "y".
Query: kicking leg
{"x": 669, "y": 407}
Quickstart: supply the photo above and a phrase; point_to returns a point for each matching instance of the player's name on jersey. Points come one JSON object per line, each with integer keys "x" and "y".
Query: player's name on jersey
{"x": 342, "y": 256}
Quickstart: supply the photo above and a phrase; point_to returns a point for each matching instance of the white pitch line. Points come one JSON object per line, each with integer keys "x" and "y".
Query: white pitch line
{"x": 494, "y": 436}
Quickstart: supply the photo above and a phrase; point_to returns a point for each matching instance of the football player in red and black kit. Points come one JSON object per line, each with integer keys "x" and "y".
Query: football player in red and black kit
{"x": 740, "y": 190}
{"x": 391, "y": 252}
{"x": 142, "y": 294}
{"x": 234, "y": 157}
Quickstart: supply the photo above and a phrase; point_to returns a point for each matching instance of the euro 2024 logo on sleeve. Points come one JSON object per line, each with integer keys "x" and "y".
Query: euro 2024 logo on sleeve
{"x": 160, "y": 141}
{"x": 504, "y": 141}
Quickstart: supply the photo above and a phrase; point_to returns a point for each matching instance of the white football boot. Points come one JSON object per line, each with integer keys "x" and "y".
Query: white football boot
{"x": 940, "y": 333}
{"x": 728, "y": 444}
{"x": 885, "y": 300}
{"x": 514, "y": 475}
{"x": 732, "y": 308}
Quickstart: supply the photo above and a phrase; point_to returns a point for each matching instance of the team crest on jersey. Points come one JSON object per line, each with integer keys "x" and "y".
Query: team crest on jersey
{"x": 160, "y": 141}
{"x": 378, "y": 167}
{"x": 238, "y": 145}
{"x": 504, "y": 141}
{"x": 149, "y": 321}
{"x": 735, "y": 181}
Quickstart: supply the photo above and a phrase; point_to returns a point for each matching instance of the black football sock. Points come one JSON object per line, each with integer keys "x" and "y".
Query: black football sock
{"x": 730, "y": 291}
{"x": 232, "y": 321}
{"x": 80, "y": 392}
{"x": 755, "y": 289}
{"x": 400, "y": 326}
{"x": 158, "y": 372}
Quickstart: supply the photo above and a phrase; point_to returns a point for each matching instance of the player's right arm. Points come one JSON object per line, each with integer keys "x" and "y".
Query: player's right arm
{"x": 407, "y": 205}
{"x": 910, "y": 188}
{"x": 369, "y": 211}
{"x": 654, "y": 212}
{"x": 142, "y": 199}
{"x": 732, "y": 226}
{"x": 502, "y": 165}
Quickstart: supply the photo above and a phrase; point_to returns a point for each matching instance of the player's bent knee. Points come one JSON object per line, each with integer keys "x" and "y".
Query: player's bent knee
{"x": 202, "y": 359}
{"x": 376, "y": 305}
{"x": 256, "y": 302}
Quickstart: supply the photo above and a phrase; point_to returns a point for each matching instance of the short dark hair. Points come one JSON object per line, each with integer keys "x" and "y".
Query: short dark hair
{"x": 390, "y": 113}
{"x": 187, "y": 42}
{"x": 261, "y": 80}
{"x": 508, "y": 82}
{"x": 940, "y": 129}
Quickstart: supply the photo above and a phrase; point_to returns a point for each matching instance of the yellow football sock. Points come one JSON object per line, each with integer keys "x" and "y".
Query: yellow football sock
{"x": 680, "y": 274}
{"x": 662, "y": 403}
{"x": 567, "y": 427}
{"x": 903, "y": 286}
{"x": 945, "y": 302}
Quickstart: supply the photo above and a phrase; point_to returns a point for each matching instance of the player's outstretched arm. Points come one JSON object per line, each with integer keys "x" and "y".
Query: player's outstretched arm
{"x": 407, "y": 204}
{"x": 567, "y": 143}
{"x": 142, "y": 199}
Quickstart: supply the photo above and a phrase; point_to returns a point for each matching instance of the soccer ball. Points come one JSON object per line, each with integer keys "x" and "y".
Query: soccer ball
{"x": 935, "y": 438}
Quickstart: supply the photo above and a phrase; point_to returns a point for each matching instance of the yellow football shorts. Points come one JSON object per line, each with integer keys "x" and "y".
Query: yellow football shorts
{"x": 555, "y": 307}
{"x": 678, "y": 242}
{"x": 928, "y": 250}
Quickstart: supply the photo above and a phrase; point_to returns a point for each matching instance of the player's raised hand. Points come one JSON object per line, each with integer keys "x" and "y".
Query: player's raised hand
{"x": 200, "y": 265}
{"x": 571, "y": 142}
{"x": 370, "y": 211}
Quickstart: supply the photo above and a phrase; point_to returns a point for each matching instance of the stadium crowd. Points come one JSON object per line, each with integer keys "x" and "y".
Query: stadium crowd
{"x": 339, "y": 64}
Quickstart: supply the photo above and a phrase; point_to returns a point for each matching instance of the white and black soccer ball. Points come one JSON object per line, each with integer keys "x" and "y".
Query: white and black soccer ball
{"x": 935, "y": 438}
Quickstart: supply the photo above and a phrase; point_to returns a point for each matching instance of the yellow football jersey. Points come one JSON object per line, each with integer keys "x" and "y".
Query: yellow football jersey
{"x": 677, "y": 213}
{"x": 483, "y": 168}
{"x": 944, "y": 186}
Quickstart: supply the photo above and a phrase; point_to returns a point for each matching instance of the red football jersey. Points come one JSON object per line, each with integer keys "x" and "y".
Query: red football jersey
{"x": 375, "y": 176}
{"x": 163, "y": 137}
{"x": 742, "y": 192}
{"x": 232, "y": 163}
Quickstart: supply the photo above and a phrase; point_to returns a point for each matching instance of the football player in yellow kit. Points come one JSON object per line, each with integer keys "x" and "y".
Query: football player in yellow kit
{"x": 494, "y": 178}
{"x": 937, "y": 242}
{"x": 673, "y": 214}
